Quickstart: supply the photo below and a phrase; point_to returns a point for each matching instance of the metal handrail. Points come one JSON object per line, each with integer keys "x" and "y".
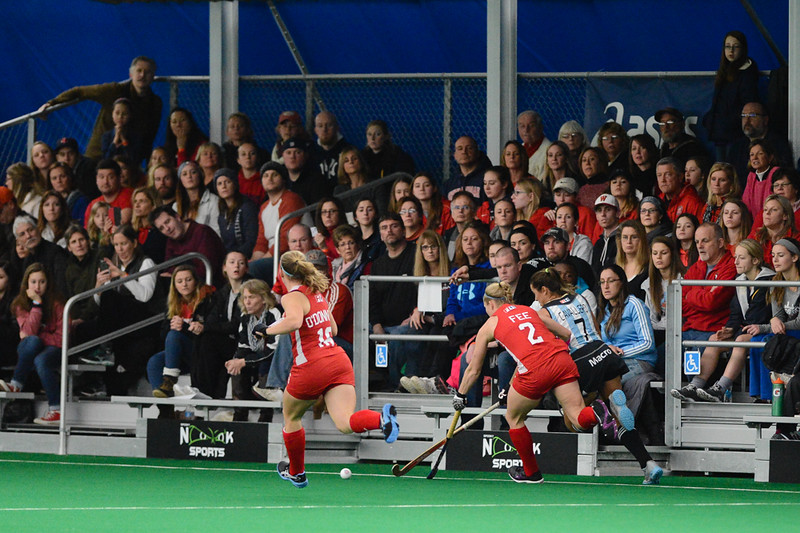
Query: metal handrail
{"x": 674, "y": 343}
{"x": 308, "y": 209}
{"x": 37, "y": 114}
{"x": 65, "y": 351}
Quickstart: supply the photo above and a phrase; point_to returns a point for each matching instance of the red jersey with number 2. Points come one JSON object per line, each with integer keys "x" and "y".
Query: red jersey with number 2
{"x": 523, "y": 334}
{"x": 313, "y": 340}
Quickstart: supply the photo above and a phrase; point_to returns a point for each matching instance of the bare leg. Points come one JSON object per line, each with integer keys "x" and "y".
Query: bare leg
{"x": 341, "y": 403}
{"x": 518, "y": 408}
{"x": 738, "y": 357}
{"x": 709, "y": 359}
{"x": 293, "y": 410}
{"x": 571, "y": 400}
{"x": 610, "y": 386}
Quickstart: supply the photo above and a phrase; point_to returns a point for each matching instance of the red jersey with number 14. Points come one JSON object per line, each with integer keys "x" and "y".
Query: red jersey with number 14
{"x": 313, "y": 340}
{"x": 523, "y": 334}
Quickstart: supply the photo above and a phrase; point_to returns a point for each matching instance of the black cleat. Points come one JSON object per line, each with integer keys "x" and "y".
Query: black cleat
{"x": 517, "y": 473}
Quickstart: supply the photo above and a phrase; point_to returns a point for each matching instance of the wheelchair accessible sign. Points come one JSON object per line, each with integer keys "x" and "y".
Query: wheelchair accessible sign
{"x": 691, "y": 363}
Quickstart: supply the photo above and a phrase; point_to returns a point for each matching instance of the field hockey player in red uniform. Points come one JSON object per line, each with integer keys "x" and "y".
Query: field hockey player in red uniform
{"x": 320, "y": 367}
{"x": 543, "y": 363}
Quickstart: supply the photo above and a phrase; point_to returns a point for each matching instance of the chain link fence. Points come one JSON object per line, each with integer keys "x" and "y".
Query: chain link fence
{"x": 425, "y": 113}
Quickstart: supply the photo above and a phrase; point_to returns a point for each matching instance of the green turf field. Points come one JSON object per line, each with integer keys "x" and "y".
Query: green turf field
{"x": 44, "y": 493}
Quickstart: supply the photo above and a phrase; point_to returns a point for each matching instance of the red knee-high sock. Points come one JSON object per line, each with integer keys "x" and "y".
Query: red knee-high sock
{"x": 364, "y": 420}
{"x": 296, "y": 450}
{"x": 523, "y": 442}
{"x": 586, "y": 418}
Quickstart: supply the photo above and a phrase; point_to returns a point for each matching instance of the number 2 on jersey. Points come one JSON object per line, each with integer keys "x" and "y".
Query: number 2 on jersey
{"x": 531, "y": 333}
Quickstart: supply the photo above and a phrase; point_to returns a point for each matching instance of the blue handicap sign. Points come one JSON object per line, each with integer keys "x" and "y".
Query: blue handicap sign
{"x": 381, "y": 355}
{"x": 691, "y": 363}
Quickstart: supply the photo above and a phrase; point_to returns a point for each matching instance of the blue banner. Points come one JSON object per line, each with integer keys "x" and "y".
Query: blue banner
{"x": 632, "y": 102}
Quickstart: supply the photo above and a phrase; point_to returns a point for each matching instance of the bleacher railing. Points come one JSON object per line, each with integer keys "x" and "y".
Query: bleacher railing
{"x": 426, "y": 112}
{"x": 675, "y": 345}
{"x": 66, "y": 351}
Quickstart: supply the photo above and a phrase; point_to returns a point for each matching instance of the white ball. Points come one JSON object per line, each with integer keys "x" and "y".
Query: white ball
{"x": 345, "y": 473}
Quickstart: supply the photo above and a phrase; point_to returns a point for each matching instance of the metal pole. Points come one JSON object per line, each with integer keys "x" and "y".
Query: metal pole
{"x": 672, "y": 365}
{"x": 361, "y": 342}
{"x": 447, "y": 129}
{"x": 501, "y": 74}
{"x": 223, "y": 65}
{"x": 794, "y": 77}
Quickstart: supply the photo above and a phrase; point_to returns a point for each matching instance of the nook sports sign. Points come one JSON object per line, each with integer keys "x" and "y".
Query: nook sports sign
{"x": 220, "y": 441}
{"x": 492, "y": 451}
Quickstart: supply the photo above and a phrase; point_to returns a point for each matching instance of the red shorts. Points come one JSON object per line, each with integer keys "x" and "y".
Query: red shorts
{"x": 549, "y": 374}
{"x": 313, "y": 378}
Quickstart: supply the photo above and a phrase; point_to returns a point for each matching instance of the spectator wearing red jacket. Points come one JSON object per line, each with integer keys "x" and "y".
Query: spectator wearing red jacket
{"x": 706, "y": 308}
{"x": 680, "y": 197}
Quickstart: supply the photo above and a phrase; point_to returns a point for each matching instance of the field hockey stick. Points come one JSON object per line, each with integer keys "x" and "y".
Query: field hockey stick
{"x": 401, "y": 471}
{"x": 435, "y": 467}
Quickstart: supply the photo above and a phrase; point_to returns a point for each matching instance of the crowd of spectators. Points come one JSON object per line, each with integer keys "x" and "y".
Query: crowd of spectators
{"x": 625, "y": 207}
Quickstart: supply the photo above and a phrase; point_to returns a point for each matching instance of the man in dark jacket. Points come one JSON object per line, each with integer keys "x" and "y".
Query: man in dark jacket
{"x": 145, "y": 106}
{"x": 31, "y": 248}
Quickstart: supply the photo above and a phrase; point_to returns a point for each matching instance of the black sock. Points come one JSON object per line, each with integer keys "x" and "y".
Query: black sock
{"x": 633, "y": 442}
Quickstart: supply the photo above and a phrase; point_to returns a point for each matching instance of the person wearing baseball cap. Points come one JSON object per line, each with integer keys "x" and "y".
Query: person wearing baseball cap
{"x": 565, "y": 191}
{"x": 290, "y": 124}
{"x": 675, "y": 141}
{"x": 604, "y": 252}
{"x": 555, "y": 244}
{"x": 304, "y": 176}
{"x": 83, "y": 168}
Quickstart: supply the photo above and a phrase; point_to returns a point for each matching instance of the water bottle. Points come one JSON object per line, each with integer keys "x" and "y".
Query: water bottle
{"x": 777, "y": 394}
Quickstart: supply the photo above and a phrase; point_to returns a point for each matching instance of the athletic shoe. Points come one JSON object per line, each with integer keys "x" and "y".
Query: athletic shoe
{"x": 517, "y": 473}
{"x": 269, "y": 394}
{"x": 298, "y": 480}
{"x": 389, "y": 423}
{"x": 714, "y": 393}
{"x": 50, "y": 418}
{"x": 782, "y": 436}
{"x": 652, "y": 473}
{"x": 687, "y": 393}
{"x": 441, "y": 385}
{"x": 622, "y": 412}
{"x": 7, "y": 386}
{"x": 425, "y": 384}
{"x": 96, "y": 390}
{"x": 608, "y": 426}
{"x": 99, "y": 356}
{"x": 414, "y": 387}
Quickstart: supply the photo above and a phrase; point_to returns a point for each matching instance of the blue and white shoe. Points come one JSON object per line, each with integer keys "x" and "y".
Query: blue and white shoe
{"x": 618, "y": 403}
{"x": 389, "y": 423}
{"x": 652, "y": 473}
{"x": 298, "y": 480}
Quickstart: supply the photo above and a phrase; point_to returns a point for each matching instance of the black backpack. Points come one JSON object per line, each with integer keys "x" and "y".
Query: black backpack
{"x": 782, "y": 354}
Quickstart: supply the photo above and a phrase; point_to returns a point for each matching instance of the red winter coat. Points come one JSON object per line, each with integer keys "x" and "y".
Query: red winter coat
{"x": 708, "y": 308}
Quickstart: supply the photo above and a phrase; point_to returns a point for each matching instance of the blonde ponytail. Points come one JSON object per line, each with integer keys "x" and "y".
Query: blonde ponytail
{"x": 295, "y": 266}
{"x": 499, "y": 291}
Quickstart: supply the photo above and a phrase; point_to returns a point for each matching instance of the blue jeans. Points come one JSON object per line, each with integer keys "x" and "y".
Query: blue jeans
{"x": 177, "y": 353}
{"x": 282, "y": 361}
{"x": 32, "y": 352}
{"x": 505, "y": 370}
{"x": 408, "y": 353}
{"x": 475, "y": 393}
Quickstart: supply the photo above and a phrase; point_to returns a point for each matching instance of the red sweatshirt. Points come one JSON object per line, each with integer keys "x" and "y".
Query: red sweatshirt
{"x": 708, "y": 308}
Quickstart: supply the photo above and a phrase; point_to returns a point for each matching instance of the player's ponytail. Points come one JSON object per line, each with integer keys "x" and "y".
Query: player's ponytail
{"x": 499, "y": 291}
{"x": 295, "y": 266}
{"x": 550, "y": 279}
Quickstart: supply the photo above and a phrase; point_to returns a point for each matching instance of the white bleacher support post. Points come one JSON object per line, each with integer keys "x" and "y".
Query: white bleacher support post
{"x": 501, "y": 75}
{"x": 361, "y": 353}
{"x": 672, "y": 364}
{"x": 223, "y": 65}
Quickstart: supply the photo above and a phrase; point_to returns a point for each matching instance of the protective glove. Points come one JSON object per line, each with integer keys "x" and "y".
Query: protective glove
{"x": 459, "y": 401}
